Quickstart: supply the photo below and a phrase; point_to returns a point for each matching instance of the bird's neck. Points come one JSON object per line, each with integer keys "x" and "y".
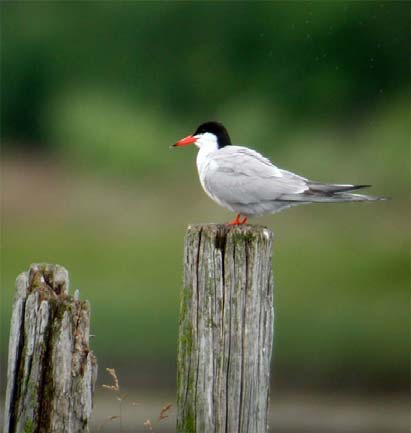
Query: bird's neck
{"x": 204, "y": 154}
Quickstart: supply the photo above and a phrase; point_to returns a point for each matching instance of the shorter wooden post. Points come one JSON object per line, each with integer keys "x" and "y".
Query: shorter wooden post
{"x": 225, "y": 330}
{"x": 51, "y": 370}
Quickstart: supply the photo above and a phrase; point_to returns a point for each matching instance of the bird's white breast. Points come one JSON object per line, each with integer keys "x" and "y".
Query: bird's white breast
{"x": 206, "y": 165}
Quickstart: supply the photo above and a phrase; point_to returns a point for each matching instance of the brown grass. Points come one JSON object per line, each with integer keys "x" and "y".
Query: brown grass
{"x": 115, "y": 387}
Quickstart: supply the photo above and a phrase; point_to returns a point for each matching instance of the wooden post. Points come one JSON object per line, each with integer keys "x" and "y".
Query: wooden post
{"x": 225, "y": 330}
{"x": 51, "y": 370}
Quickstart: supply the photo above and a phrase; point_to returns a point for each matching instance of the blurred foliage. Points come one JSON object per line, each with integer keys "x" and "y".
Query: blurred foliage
{"x": 321, "y": 87}
{"x": 190, "y": 61}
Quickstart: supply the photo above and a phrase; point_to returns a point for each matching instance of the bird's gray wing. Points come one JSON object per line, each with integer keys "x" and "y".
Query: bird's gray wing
{"x": 239, "y": 175}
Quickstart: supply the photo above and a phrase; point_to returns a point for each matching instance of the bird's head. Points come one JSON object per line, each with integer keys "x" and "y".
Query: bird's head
{"x": 211, "y": 135}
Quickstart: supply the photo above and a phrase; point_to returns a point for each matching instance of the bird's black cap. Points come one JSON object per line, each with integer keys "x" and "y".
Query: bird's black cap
{"x": 216, "y": 128}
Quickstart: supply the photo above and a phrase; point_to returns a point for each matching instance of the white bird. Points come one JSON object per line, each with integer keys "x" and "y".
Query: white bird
{"x": 245, "y": 182}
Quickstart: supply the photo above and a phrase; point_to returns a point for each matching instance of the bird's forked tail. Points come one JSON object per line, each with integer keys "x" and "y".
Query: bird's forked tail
{"x": 323, "y": 192}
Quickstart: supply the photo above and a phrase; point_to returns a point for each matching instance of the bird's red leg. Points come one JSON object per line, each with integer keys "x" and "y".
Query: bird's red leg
{"x": 237, "y": 221}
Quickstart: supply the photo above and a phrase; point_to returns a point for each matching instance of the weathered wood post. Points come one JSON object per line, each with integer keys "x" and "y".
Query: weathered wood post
{"x": 225, "y": 330}
{"x": 51, "y": 370}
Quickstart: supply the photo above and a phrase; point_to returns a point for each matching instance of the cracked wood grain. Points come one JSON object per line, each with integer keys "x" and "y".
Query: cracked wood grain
{"x": 225, "y": 330}
{"x": 51, "y": 369}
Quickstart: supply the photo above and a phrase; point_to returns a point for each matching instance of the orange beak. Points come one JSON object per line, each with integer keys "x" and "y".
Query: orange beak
{"x": 185, "y": 141}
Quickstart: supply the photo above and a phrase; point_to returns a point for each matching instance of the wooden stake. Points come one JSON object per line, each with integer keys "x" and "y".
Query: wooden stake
{"x": 51, "y": 370}
{"x": 225, "y": 330}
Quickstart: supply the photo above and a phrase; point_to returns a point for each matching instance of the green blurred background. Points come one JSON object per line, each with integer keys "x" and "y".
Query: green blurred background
{"x": 93, "y": 94}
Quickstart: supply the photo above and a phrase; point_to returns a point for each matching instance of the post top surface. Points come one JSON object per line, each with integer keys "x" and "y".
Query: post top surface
{"x": 54, "y": 279}
{"x": 225, "y": 230}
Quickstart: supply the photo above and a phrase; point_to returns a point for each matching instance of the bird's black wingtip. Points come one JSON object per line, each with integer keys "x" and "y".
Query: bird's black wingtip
{"x": 360, "y": 187}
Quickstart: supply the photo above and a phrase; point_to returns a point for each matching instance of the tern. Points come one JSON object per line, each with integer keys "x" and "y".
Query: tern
{"x": 245, "y": 182}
